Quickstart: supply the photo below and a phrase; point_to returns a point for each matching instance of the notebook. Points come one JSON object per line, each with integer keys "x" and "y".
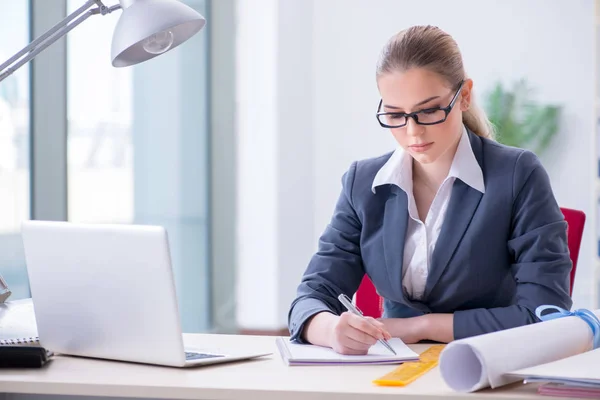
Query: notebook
{"x": 306, "y": 354}
{"x": 17, "y": 324}
{"x": 24, "y": 356}
{"x": 579, "y": 391}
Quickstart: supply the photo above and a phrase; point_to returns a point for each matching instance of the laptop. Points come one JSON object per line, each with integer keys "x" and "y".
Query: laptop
{"x": 107, "y": 291}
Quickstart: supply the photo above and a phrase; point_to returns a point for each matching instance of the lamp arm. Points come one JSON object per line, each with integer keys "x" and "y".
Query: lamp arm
{"x": 40, "y": 39}
{"x": 52, "y": 35}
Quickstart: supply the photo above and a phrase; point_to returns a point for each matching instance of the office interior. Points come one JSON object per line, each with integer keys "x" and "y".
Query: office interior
{"x": 236, "y": 141}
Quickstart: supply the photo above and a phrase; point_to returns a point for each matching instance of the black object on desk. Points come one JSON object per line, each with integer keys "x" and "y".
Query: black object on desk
{"x": 23, "y": 356}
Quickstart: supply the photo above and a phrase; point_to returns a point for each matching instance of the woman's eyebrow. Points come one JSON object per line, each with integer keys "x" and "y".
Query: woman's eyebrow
{"x": 416, "y": 105}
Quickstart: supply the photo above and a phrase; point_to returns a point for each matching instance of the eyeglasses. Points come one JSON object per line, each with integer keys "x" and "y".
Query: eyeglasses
{"x": 428, "y": 116}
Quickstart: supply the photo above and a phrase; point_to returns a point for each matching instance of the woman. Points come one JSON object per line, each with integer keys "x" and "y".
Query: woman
{"x": 459, "y": 234}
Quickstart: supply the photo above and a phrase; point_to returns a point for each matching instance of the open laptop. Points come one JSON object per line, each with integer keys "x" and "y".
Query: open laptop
{"x": 107, "y": 291}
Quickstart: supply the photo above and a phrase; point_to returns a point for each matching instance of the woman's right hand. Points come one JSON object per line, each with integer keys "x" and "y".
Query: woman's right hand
{"x": 353, "y": 334}
{"x": 346, "y": 334}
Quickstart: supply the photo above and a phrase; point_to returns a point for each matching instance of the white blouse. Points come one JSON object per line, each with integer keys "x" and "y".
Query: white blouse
{"x": 422, "y": 236}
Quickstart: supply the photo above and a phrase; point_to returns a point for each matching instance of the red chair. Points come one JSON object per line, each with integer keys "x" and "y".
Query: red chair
{"x": 371, "y": 304}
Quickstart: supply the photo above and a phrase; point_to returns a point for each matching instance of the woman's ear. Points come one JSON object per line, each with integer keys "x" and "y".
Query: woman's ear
{"x": 465, "y": 95}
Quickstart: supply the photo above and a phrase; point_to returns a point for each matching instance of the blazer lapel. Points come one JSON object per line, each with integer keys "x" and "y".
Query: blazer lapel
{"x": 463, "y": 204}
{"x": 395, "y": 222}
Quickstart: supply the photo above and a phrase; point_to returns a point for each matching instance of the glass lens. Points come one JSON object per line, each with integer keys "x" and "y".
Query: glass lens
{"x": 393, "y": 119}
{"x": 431, "y": 116}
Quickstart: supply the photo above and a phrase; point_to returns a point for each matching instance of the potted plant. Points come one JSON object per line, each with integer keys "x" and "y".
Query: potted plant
{"x": 518, "y": 120}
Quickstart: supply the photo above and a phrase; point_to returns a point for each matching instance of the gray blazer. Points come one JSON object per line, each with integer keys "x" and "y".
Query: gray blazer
{"x": 499, "y": 254}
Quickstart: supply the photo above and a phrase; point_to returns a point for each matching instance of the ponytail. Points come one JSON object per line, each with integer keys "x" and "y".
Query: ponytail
{"x": 477, "y": 122}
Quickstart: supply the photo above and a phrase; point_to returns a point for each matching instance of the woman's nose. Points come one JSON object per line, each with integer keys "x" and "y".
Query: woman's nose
{"x": 412, "y": 128}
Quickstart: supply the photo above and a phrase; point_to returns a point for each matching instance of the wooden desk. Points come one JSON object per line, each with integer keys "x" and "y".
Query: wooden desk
{"x": 266, "y": 379}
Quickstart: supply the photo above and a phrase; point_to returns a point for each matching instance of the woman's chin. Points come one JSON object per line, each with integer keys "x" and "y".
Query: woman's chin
{"x": 424, "y": 158}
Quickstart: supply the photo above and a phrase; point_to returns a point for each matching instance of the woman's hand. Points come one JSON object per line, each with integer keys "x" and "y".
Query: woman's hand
{"x": 436, "y": 327}
{"x": 352, "y": 334}
{"x": 346, "y": 334}
{"x": 410, "y": 330}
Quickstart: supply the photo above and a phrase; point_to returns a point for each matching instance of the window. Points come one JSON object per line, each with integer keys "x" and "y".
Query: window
{"x": 138, "y": 148}
{"x": 99, "y": 144}
{"x": 14, "y": 148}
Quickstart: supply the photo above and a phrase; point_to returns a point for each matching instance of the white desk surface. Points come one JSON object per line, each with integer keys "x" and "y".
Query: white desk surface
{"x": 265, "y": 378}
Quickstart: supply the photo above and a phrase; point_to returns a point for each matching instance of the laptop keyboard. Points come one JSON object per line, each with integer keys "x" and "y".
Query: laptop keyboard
{"x": 199, "y": 356}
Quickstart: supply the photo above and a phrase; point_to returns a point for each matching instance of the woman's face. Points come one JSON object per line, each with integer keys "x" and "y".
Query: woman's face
{"x": 419, "y": 89}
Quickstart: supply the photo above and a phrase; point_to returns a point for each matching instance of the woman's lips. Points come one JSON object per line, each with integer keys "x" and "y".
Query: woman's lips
{"x": 421, "y": 147}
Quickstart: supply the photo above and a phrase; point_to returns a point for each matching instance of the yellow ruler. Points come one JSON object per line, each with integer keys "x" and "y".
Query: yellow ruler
{"x": 409, "y": 371}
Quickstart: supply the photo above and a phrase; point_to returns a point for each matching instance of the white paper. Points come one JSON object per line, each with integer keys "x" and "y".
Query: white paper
{"x": 481, "y": 361}
{"x": 17, "y": 320}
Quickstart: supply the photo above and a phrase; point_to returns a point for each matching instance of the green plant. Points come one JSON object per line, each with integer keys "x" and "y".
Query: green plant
{"x": 518, "y": 120}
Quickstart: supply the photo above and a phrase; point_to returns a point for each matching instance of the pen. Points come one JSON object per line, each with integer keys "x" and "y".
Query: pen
{"x": 345, "y": 300}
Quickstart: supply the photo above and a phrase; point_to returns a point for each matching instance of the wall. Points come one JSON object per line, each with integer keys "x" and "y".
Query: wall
{"x": 550, "y": 43}
{"x": 275, "y": 204}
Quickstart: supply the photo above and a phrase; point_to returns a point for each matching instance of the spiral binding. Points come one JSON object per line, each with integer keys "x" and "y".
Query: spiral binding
{"x": 19, "y": 341}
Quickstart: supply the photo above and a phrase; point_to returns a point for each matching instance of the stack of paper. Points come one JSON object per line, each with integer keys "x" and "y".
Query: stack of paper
{"x": 304, "y": 354}
{"x": 577, "y": 376}
{"x": 489, "y": 360}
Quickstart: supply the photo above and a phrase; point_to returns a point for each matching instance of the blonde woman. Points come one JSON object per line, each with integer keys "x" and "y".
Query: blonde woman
{"x": 459, "y": 234}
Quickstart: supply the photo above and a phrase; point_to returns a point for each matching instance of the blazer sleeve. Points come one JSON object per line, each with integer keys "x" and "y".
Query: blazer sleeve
{"x": 538, "y": 247}
{"x": 335, "y": 268}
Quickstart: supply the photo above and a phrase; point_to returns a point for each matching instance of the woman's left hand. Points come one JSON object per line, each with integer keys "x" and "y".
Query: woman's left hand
{"x": 410, "y": 330}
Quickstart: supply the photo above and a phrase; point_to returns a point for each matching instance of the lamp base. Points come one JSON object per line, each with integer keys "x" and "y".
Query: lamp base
{"x": 5, "y": 294}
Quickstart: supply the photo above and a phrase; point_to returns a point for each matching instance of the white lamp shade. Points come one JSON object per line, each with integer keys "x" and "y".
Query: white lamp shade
{"x": 144, "y": 18}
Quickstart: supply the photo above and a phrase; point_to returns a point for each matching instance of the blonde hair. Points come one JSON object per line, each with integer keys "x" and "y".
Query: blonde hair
{"x": 433, "y": 49}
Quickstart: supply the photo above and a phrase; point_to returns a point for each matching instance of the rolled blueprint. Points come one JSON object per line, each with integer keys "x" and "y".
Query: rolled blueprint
{"x": 482, "y": 361}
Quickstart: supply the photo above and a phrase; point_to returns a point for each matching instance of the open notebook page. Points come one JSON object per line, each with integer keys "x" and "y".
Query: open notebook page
{"x": 304, "y": 354}
{"x": 17, "y": 323}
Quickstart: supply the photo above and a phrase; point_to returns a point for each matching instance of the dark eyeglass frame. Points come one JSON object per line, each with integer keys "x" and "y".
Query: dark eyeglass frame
{"x": 415, "y": 115}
